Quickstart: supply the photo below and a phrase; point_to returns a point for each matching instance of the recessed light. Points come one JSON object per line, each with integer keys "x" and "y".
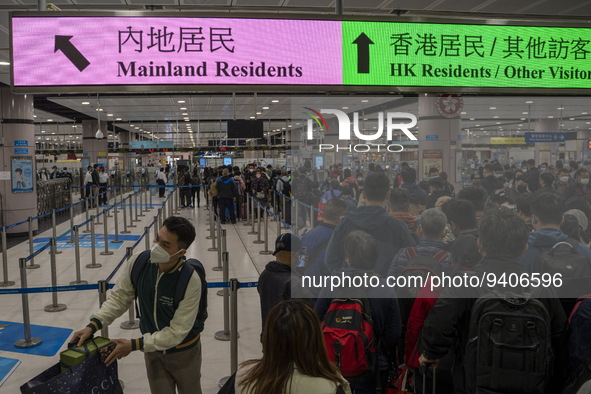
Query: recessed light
{"x": 265, "y": 107}
{"x": 183, "y": 108}
{"x": 471, "y": 118}
{"x": 181, "y": 101}
{"x": 495, "y": 117}
{"x": 493, "y": 108}
{"x": 34, "y": 116}
{"x": 52, "y": 133}
{"x": 559, "y": 108}
{"x": 4, "y": 64}
{"x": 85, "y": 103}
{"x": 550, "y": 116}
{"x": 42, "y": 131}
{"x": 522, "y": 119}
{"x": 184, "y": 114}
{"x": 252, "y": 117}
{"x": 258, "y": 113}
{"x": 583, "y": 113}
{"x": 345, "y": 107}
{"x": 524, "y": 113}
{"x": 50, "y": 120}
{"x": 117, "y": 118}
{"x": 529, "y": 102}
{"x": 571, "y": 118}
{"x": 520, "y": 125}
{"x": 109, "y": 114}
{"x": 498, "y": 122}
{"x": 274, "y": 101}
{"x": 365, "y": 101}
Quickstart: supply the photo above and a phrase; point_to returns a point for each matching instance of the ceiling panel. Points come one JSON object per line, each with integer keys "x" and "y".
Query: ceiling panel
{"x": 258, "y": 3}
{"x": 309, "y": 3}
{"x": 207, "y": 2}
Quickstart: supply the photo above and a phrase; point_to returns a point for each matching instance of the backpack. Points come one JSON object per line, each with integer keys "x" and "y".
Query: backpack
{"x": 509, "y": 345}
{"x": 349, "y": 338}
{"x": 286, "y": 189}
{"x": 574, "y": 268}
{"x": 238, "y": 188}
{"x": 580, "y": 327}
{"x": 181, "y": 181}
{"x": 423, "y": 266}
{"x": 181, "y": 285}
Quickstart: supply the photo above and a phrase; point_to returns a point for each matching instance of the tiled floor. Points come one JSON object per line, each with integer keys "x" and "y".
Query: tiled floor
{"x": 245, "y": 264}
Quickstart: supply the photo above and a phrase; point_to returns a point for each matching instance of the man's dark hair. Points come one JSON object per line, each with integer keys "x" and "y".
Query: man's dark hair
{"x": 547, "y": 179}
{"x": 523, "y": 203}
{"x": 509, "y": 175}
{"x": 376, "y": 186}
{"x": 547, "y": 208}
{"x": 497, "y": 167}
{"x": 433, "y": 170}
{"x": 182, "y": 228}
{"x": 95, "y": 166}
{"x": 475, "y": 195}
{"x": 408, "y": 175}
{"x": 437, "y": 183}
{"x": 503, "y": 233}
{"x": 581, "y": 171}
{"x": 487, "y": 168}
{"x": 399, "y": 200}
{"x": 361, "y": 250}
{"x": 531, "y": 162}
{"x": 563, "y": 170}
{"x": 461, "y": 213}
{"x": 418, "y": 199}
{"x": 335, "y": 208}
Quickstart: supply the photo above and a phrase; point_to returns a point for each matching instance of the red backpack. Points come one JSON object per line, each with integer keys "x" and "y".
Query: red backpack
{"x": 349, "y": 337}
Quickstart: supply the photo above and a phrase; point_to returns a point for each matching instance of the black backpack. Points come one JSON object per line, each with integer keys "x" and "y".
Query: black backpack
{"x": 286, "y": 189}
{"x": 189, "y": 266}
{"x": 509, "y": 346}
{"x": 564, "y": 259}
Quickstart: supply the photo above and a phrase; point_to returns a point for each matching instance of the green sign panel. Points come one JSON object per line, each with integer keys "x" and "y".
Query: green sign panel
{"x": 429, "y": 54}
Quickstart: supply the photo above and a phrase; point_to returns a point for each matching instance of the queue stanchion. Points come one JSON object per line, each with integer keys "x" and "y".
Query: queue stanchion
{"x": 279, "y": 223}
{"x": 177, "y": 198}
{"x": 103, "y": 286}
{"x": 28, "y": 341}
{"x": 54, "y": 230}
{"x": 169, "y": 202}
{"x": 147, "y": 237}
{"x": 211, "y": 226}
{"x": 135, "y": 203}
{"x": 106, "y": 252}
{"x": 151, "y": 193}
{"x": 86, "y": 209}
{"x": 144, "y": 191}
{"x": 224, "y": 335}
{"x": 93, "y": 263}
{"x": 212, "y": 233}
{"x": 297, "y": 217}
{"x": 140, "y": 210}
{"x": 78, "y": 281}
{"x": 55, "y": 306}
{"x": 311, "y": 216}
{"x": 131, "y": 212}
{"x": 5, "y": 282}
{"x": 266, "y": 251}
{"x": 219, "y": 246}
{"x": 71, "y": 241}
{"x": 124, "y": 214}
{"x": 32, "y": 264}
{"x": 98, "y": 215}
{"x": 116, "y": 221}
{"x": 254, "y": 217}
{"x": 248, "y": 214}
{"x": 132, "y": 323}
{"x": 258, "y": 241}
{"x": 283, "y": 211}
{"x": 234, "y": 286}
{"x": 222, "y": 264}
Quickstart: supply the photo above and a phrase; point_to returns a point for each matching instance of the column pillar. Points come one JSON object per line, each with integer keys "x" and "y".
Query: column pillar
{"x": 17, "y": 160}
{"x": 123, "y": 144}
{"x": 546, "y": 151}
{"x": 94, "y": 149}
{"x": 438, "y": 139}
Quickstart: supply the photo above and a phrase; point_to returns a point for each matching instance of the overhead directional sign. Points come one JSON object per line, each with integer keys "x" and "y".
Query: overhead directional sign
{"x": 114, "y": 52}
{"x": 544, "y": 137}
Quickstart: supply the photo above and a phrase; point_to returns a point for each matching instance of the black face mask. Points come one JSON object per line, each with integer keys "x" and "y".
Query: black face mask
{"x": 521, "y": 188}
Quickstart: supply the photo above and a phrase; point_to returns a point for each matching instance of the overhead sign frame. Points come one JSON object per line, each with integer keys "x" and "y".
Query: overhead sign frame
{"x": 359, "y": 47}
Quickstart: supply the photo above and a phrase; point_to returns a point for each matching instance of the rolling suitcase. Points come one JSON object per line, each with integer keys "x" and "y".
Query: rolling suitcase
{"x": 424, "y": 370}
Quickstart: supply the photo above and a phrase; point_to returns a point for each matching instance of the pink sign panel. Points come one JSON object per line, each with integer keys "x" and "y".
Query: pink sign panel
{"x": 69, "y": 51}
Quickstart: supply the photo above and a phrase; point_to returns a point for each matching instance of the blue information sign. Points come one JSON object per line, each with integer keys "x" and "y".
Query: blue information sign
{"x": 432, "y": 137}
{"x": 21, "y": 142}
{"x": 544, "y": 137}
{"x": 21, "y": 151}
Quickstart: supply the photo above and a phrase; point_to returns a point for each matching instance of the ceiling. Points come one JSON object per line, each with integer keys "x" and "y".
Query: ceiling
{"x": 163, "y": 116}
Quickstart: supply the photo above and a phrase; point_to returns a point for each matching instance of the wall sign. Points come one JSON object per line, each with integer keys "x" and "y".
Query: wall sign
{"x": 115, "y": 52}
{"x": 22, "y": 174}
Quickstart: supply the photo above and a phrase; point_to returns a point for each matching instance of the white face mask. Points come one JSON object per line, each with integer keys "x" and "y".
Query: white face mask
{"x": 159, "y": 255}
{"x": 563, "y": 179}
{"x": 584, "y": 181}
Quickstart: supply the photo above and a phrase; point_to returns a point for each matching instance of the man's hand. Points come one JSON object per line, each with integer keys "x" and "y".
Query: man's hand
{"x": 81, "y": 336}
{"x": 122, "y": 349}
{"x": 428, "y": 362}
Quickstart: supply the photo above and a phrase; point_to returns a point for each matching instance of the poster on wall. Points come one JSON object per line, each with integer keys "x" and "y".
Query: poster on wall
{"x": 432, "y": 159}
{"x": 22, "y": 174}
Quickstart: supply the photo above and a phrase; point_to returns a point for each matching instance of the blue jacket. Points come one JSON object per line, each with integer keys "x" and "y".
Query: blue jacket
{"x": 545, "y": 238}
{"x": 391, "y": 235}
{"x": 426, "y": 247}
{"x": 315, "y": 239}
